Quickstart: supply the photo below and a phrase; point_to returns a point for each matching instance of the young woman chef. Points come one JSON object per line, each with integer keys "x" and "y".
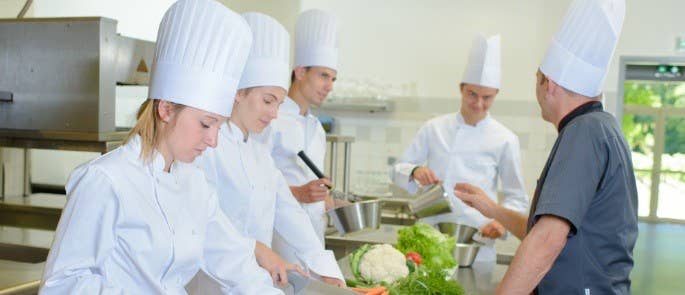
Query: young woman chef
{"x": 142, "y": 219}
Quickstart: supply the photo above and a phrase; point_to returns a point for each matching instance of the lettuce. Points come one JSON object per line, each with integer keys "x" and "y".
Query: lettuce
{"x": 435, "y": 247}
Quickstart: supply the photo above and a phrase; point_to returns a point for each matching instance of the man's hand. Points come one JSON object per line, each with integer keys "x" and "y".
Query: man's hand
{"x": 313, "y": 191}
{"x": 493, "y": 230}
{"x": 333, "y": 281}
{"x": 275, "y": 265}
{"x": 425, "y": 176}
{"x": 475, "y": 197}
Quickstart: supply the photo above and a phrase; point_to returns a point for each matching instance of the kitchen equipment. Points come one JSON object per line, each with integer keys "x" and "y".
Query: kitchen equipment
{"x": 430, "y": 201}
{"x": 333, "y": 141}
{"x": 68, "y": 68}
{"x": 356, "y": 217}
{"x": 334, "y": 193}
{"x": 461, "y": 232}
{"x": 465, "y": 254}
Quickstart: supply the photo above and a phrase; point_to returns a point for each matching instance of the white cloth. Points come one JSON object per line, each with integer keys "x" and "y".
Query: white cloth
{"x": 268, "y": 63}
{"x": 316, "y": 39}
{"x": 484, "y": 65}
{"x": 580, "y": 53}
{"x": 285, "y": 137}
{"x": 256, "y": 198}
{"x": 131, "y": 228}
{"x": 200, "y": 54}
{"x": 458, "y": 152}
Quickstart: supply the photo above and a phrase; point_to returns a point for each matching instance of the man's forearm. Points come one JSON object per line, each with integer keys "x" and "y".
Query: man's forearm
{"x": 513, "y": 221}
{"x": 535, "y": 256}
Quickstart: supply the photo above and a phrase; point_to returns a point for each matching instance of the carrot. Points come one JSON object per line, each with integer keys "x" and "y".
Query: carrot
{"x": 376, "y": 291}
{"x": 360, "y": 290}
{"x": 385, "y": 292}
{"x": 370, "y": 291}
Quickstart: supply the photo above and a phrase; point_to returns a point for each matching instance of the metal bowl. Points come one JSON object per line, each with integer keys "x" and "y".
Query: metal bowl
{"x": 461, "y": 232}
{"x": 430, "y": 202}
{"x": 356, "y": 217}
{"x": 465, "y": 254}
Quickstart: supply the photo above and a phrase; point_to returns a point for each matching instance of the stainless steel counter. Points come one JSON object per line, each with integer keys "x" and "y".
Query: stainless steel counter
{"x": 480, "y": 278}
{"x": 40, "y": 211}
{"x": 343, "y": 245}
{"x": 19, "y": 277}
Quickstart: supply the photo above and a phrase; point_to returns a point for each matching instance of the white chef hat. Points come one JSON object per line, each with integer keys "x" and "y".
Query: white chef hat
{"x": 580, "y": 53}
{"x": 484, "y": 65}
{"x": 200, "y": 54}
{"x": 267, "y": 64}
{"x": 316, "y": 39}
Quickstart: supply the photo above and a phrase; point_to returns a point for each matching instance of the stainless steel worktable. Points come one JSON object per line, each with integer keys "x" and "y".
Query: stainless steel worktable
{"x": 480, "y": 278}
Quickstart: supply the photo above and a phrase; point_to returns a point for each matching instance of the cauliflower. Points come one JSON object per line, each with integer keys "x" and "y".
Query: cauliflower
{"x": 381, "y": 263}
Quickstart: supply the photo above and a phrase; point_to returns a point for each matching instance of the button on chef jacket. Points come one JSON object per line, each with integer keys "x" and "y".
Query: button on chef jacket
{"x": 256, "y": 198}
{"x": 459, "y": 152}
{"x": 131, "y": 228}
{"x": 285, "y": 137}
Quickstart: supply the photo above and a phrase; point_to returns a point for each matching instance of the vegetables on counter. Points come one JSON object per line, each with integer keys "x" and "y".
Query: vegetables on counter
{"x": 415, "y": 257}
{"x": 379, "y": 290}
{"x": 383, "y": 270}
{"x": 426, "y": 281}
{"x": 434, "y": 247}
{"x": 378, "y": 263}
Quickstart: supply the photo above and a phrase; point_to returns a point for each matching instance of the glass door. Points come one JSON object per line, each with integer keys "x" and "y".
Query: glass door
{"x": 653, "y": 121}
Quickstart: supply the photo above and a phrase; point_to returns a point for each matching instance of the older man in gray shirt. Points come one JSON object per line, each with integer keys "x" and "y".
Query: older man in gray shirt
{"x": 580, "y": 233}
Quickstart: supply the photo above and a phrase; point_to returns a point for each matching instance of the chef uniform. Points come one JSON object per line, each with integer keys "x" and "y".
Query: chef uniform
{"x": 315, "y": 45}
{"x": 458, "y": 152}
{"x": 588, "y": 179}
{"x": 252, "y": 191}
{"x": 129, "y": 227}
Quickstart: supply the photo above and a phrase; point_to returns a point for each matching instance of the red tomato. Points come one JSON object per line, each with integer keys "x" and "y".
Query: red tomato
{"x": 413, "y": 256}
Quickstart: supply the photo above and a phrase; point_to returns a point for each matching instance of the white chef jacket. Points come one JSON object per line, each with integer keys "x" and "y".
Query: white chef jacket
{"x": 285, "y": 137}
{"x": 256, "y": 198}
{"x": 131, "y": 228}
{"x": 479, "y": 155}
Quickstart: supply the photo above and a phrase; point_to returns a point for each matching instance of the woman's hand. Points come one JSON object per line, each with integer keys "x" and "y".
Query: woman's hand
{"x": 275, "y": 265}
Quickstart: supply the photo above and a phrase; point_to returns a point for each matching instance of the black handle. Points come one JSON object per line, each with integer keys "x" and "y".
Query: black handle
{"x": 6, "y": 96}
{"x": 310, "y": 164}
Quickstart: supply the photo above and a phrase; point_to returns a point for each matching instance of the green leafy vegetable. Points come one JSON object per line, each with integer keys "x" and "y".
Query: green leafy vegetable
{"x": 435, "y": 247}
{"x": 426, "y": 281}
{"x": 355, "y": 260}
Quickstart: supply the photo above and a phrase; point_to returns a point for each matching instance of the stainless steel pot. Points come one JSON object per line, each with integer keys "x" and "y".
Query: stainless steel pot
{"x": 465, "y": 254}
{"x": 356, "y": 217}
{"x": 430, "y": 201}
{"x": 461, "y": 232}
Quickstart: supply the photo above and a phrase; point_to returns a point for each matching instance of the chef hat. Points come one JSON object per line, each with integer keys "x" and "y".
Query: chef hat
{"x": 316, "y": 39}
{"x": 484, "y": 66}
{"x": 580, "y": 53}
{"x": 268, "y": 61}
{"x": 200, "y": 54}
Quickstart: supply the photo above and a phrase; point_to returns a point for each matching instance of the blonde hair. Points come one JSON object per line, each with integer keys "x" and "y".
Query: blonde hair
{"x": 148, "y": 127}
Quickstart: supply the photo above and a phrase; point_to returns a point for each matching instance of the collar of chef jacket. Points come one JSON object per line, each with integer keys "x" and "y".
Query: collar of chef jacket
{"x": 291, "y": 107}
{"x": 481, "y": 123}
{"x": 233, "y": 132}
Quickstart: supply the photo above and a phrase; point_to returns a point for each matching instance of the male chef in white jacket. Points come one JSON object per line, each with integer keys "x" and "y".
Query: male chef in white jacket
{"x": 469, "y": 146}
{"x": 296, "y": 129}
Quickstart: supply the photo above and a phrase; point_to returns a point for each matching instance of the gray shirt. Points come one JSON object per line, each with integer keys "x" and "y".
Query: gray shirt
{"x": 588, "y": 180}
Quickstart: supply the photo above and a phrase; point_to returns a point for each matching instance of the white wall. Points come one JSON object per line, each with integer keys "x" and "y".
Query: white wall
{"x": 138, "y": 19}
{"x": 10, "y": 8}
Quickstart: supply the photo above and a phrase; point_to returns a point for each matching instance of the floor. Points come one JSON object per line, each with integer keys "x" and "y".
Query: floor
{"x": 659, "y": 260}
